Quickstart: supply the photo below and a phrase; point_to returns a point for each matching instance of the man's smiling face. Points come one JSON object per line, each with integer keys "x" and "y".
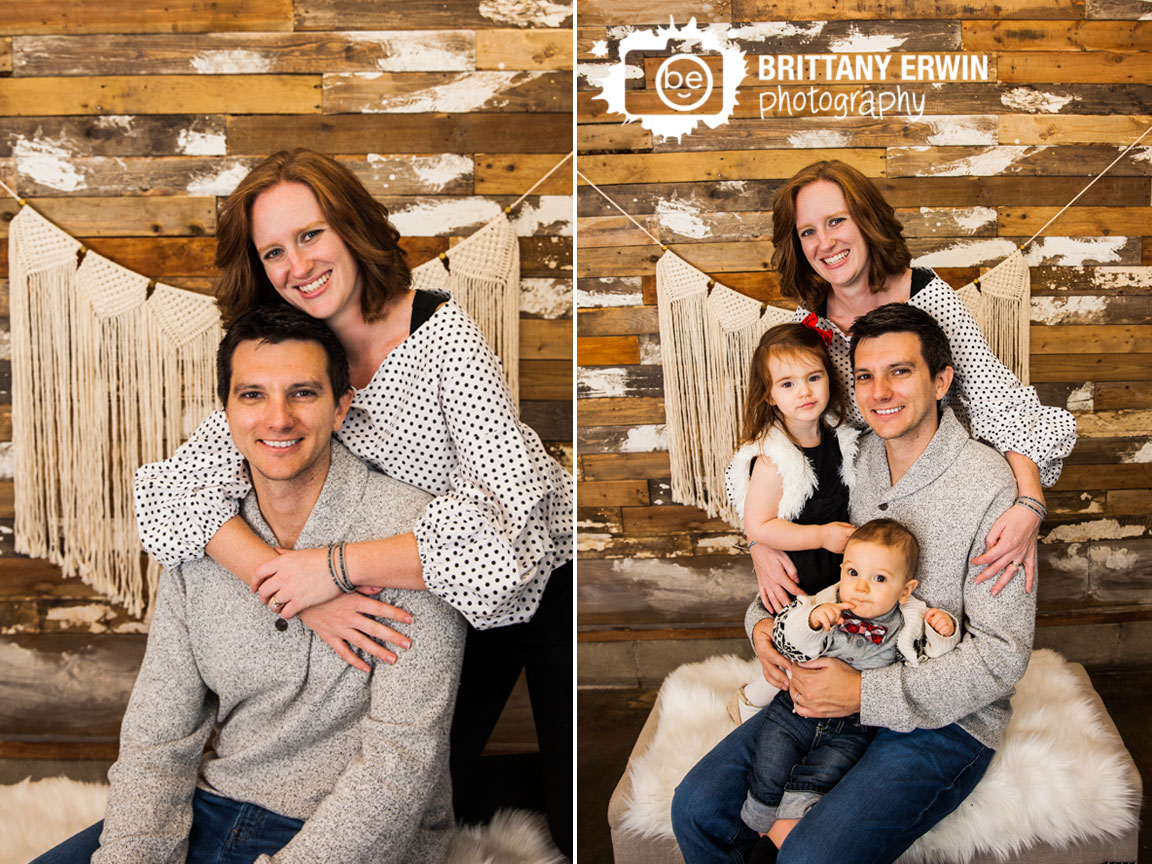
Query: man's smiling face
{"x": 895, "y": 392}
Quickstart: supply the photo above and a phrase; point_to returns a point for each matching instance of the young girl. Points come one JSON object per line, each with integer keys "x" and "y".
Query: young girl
{"x": 789, "y": 480}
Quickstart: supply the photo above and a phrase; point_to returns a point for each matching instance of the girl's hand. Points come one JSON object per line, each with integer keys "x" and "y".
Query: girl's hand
{"x": 345, "y": 624}
{"x": 1011, "y": 544}
{"x": 834, "y": 536}
{"x": 940, "y": 621}
{"x": 295, "y": 580}
{"x": 827, "y": 615}
{"x": 775, "y": 576}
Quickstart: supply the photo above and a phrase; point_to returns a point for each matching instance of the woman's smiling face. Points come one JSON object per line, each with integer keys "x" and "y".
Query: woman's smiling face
{"x": 831, "y": 239}
{"x": 305, "y": 260}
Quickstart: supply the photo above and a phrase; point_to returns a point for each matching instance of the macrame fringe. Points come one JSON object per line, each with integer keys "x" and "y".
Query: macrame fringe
{"x": 1001, "y": 303}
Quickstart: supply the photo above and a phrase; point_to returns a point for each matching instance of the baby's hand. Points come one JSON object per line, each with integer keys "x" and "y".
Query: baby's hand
{"x": 834, "y": 536}
{"x": 940, "y": 621}
{"x": 826, "y": 615}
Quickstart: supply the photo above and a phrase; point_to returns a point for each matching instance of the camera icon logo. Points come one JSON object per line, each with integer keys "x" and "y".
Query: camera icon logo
{"x": 695, "y": 85}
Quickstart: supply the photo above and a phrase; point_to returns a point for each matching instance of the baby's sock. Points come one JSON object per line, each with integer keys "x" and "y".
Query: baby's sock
{"x": 759, "y": 692}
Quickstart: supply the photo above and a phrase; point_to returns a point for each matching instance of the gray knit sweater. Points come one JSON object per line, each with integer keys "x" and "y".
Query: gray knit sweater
{"x": 949, "y": 499}
{"x": 363, "y": 759}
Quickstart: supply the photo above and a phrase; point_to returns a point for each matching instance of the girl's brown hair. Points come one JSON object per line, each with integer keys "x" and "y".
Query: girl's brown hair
{"x": 888, "y": 253}
{"x": 359, "y": 220}
{"x": 759, "y": 414}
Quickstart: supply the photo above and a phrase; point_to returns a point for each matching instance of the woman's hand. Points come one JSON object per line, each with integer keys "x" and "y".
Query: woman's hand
{"x": 1011, "y": 544}
{"x": 295, "y": 580}
{"x": 775, "y": 664}
{"x": 345, "y": 623}
{"x": 775, "y": 575}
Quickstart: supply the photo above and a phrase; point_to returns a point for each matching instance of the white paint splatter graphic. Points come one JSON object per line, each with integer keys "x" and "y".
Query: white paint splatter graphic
{"x": 599, "y": 48}
{"x": 546, "y": 298}
{"x": 466, "y": 92}
{"x": 1058, "y": 310}
{"x": 856, "y": 42}
{"x": 237, "y": 61}
{"x": 819, "y": 138}
{"x": 47, "y": 162}
{"x": 1035, "y": 101}
{"x": 526, "y": 13}
{"x": 682, "y": 218}
{"x": 193, "y": 143}
{"x": 222, "y": 181}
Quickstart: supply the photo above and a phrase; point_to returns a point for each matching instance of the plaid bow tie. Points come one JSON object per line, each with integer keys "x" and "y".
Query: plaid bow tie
{"x": 852, "y": 624}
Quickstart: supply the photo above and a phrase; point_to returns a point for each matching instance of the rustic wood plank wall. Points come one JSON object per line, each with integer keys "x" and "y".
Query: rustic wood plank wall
{"x": 126, "y": 122}
{"x": 985, "y": 166}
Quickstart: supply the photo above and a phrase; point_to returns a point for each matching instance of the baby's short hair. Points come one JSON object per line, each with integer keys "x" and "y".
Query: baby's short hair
{"x": 893, "y": 535}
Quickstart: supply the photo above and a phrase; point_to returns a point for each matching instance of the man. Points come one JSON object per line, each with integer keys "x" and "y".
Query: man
{"x": 312, "y": 760}
{"x": 941, "y": 721}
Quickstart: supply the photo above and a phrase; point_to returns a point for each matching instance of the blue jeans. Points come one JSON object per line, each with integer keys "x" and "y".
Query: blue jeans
{"x": 903, "y": 785}
{"x": 223, "y": 832}
{"x": 798, "y": 759}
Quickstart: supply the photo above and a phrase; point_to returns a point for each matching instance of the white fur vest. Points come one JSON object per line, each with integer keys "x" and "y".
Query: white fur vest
{"x": 799, "y": 480}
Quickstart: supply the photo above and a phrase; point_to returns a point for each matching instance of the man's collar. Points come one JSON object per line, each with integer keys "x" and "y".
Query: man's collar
{"x": 330, "y": 515}
{"x": 941, "y": 451}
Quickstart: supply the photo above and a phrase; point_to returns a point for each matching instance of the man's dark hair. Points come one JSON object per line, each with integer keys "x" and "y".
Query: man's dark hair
{"x": 905, "y": 318}
{"x": 274, "y": 323}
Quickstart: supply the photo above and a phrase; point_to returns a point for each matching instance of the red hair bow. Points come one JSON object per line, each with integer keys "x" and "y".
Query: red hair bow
{"x": 811, "y": 321}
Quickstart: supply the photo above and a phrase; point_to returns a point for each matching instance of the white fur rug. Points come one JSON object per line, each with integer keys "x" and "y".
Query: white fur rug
{"x": 36, "y": 815}
{"x": 1060, "y": 775}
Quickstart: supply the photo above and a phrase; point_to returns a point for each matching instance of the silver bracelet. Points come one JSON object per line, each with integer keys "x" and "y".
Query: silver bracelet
{"x": 344, "y": 586}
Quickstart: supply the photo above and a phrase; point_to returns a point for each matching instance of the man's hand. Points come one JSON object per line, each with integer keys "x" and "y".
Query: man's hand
{"x": 295, "y": 580}
{"x": 825, "y": 687}
{"x": 775, "y": 664}
{"x": 346, "y": 623}
{"x": 776, "y": 577}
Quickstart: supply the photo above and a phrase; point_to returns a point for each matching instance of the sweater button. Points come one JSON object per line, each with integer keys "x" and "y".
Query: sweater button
{"x": 281, "y": 624}
{"x": 883, "y": 506}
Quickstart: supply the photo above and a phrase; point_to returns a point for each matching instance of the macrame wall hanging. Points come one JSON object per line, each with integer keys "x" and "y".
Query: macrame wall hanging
{"x": 708, "y": 333}
{"x": 106, "y": 378}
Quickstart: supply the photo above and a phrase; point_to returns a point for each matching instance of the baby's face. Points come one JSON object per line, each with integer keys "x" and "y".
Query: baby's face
{"x": 873, "y": 578}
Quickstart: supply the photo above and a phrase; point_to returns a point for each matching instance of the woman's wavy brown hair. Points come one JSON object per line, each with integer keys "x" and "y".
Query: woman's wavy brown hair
{"x": 888, "y": 253}
{"x": 786, "y": 339}
{"x": 360, "y": 221}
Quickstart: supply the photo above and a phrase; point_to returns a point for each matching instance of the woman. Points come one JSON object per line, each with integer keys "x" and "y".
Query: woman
{"x": 841, "y": 253}
{"x": 431, "y": 409}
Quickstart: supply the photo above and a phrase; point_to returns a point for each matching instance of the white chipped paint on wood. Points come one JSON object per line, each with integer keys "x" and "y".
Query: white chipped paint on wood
{"x": 1112, "y": 558}
{"x": 588, "y": 541}
{"x": 120, "y": 122}
{"x": 5, "y": 345}
{"x": 601, "y": 525}
{"x": 92, "y": 617}
{"x": 989, "y": 163}
{"x": 1110, "y": 424}
{"x": 437, "y": 217}
{"x": 648, "y": 438}
{"x": 960, "y": 131}
{"x": 429, "y": 173}
{"x": 1070, "y": 559}
{"x": 965, "y": 220}
{"x": 1097, "y": 529}
{"x": 602, "y": 382}
{"x": 767, "y": 31}
{"x": 814, "y": 139}
{"x": 650, "y": 349}
{"x": 1140, "y": 154}
{"x": 680, "y": 217}
{"x": 222, "y": 180}
{"x": 193, "y": 143}
{"x": 856, "y": 42}
{"x": 728, "y": 544}
{"x": 1083, "y": 398}
{"x": 439, "y": 171}
{"x": 420, "y": 50}
{"x": 466, "y": 92}
{"x": 595, "y": 73}
{"x": 666, "y": 585}
{"x": 6, "y": 470}
{"x": 235, "y": 61}
{"x": 1123, "y": 277}
{"x": 546, "y": 298}
{"x": 526, "y": 13}
{"x": 48, "y": 162}
{"x": 1074, "y": 251}
{"x": 1059, "y": 310}
{"x": 619, "y": 291}
{"x": 548, "y": 214}
{"x": 1143, "y": 454}
{"x": 967, "y": 253}
{"x": 1030, "y": 101}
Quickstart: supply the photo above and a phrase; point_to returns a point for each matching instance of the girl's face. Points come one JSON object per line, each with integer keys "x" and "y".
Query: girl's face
{"x": 799, "y": 385}
{"x": 304, "y": 258}
{"x": 831, "y": 239}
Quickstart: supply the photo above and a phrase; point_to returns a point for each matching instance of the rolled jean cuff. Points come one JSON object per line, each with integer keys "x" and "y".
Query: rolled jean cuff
{"x": 759, "y": 817}
{"x": 794, "y": 804}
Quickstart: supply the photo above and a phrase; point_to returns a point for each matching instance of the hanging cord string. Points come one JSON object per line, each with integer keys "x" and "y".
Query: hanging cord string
{"x": 1086, "y": 188}
{"x": 621, "y": 209}
{"x": 537, "y": 184}
{"x": 18, "y": 199}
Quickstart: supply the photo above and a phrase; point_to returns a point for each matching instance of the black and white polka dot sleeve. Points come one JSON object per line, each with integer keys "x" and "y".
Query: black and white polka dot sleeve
{"x": 1000, "y": 410}
{"x": 182, "y": 502}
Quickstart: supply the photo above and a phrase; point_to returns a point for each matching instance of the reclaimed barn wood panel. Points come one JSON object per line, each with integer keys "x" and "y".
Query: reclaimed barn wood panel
{"x": 515, "y": 173}
{"x": 123, "y": 217}
{"x": 524, "y": 49}
{"x": 130, "y": 16}
{"x": 458, "y": 92}
{"x": 974, "y": 174}
{"x": 358, "y": 15}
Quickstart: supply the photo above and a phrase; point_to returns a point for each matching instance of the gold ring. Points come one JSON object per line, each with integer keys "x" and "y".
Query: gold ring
{"x": 274, "y": 604}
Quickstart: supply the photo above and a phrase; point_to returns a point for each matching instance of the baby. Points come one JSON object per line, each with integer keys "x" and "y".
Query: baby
{"x": 869, "y": 619}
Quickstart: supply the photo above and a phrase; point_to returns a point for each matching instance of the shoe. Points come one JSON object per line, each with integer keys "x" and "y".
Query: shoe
{"x": 764, "y": 852}
{"x": 740, "y": 709}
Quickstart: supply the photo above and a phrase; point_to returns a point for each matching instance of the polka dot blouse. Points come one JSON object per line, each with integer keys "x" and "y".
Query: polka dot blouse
{"x": 986, "y": 397}
{"x": 438, "y": 415}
